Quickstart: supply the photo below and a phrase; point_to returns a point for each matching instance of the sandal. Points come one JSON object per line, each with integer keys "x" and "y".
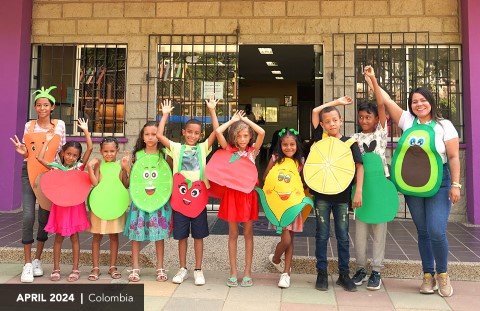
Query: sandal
{"x": 246, "y": 282}
{"x": 114, "y": 272}
{"x": 73, "y": 276}
{"x": 94, "y": 274}
{"x": 55, "y": 276}
{"x": 134, "y": 275}
{"x": 161, "y": 275}
{"x": 232, "y": 282}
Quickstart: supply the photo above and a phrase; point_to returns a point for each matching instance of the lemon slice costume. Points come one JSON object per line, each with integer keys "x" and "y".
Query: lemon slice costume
{"x": 150, "y": 182}
{"x": 283, "y": 197}
{"x": 330, "y": 167}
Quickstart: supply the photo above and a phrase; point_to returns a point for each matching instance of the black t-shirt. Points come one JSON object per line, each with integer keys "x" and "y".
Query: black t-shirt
{"x": 345, "y": 196}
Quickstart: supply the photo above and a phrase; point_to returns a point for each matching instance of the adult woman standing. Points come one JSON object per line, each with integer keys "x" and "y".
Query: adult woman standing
{"x": 430, "y": 213}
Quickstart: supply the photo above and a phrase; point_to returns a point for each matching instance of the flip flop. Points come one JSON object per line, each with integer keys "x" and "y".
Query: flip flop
{"x": 246, "y": 282}
{"x": 232, "y": 282}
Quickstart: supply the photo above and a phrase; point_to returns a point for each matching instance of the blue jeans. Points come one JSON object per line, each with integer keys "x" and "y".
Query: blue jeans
{"x": 430, "y": 216}
{"x": 28, "y": 203}
{"x": 340, "y": 218}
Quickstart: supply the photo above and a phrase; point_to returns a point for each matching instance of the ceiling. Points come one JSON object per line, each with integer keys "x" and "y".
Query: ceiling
{"x": 296, "y": 62}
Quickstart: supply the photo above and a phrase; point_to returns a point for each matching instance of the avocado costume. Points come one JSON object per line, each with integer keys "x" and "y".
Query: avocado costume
{"x": 379, "y": 195}
{"x": 109, "y": 199}
{"x": 150, "y": 181}
{"x": 330, "y": 167}
{"x": 416, "y": 164}
{"x": 282, "y": 197}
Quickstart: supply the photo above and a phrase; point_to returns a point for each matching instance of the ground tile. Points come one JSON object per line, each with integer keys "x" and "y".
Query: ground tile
{"x": 402, "y": 285}
{"x": 466, "y": 288}
{"x": 418, "y": 301}
{"x": 193, "y": 304}
{"x": 362, "y": 298}
{"x": 208, "y": 291}
{"x": 154, "y": 303}
{"x": 308, "y": 296}
{"x": 462, "y": 302}
{"x": 306, "y": 307}
{"x": 266, "y": 305}
{"x": 372, "y": 307}
{"x": 254, "y": 294}
{"x": 154, "y": 288}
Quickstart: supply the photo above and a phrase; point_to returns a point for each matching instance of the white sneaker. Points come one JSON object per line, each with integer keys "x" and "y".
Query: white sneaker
{"x": 37, "y": 267}
{"x": 284, "y": 281}
{"x": 27, "y": 273}
{"x": 199, "y": 278}
{"x": 181, "y": 275}
{"x": 277, "y": 266}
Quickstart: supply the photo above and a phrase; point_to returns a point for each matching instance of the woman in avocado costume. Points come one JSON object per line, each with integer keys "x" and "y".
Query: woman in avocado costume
{"x": 426, "y": 168}
{"x": 34, "y": 136}
{"x": 108, "y": 202}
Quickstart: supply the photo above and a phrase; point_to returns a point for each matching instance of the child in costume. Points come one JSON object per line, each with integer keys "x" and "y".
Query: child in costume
{"x": 373, "y": 121}
{"x": 288, "y": 146}
{"x": 237, "y": 206}
{"x": 68, "y": 220}
{"x": 329, "y": 119}
{"x": 107, "y": 211}
{"x": 35, "y": 134}
{"x": 142, "y": 225}
{"x": 189, "y": 189}
{"x": 427, "y": 132}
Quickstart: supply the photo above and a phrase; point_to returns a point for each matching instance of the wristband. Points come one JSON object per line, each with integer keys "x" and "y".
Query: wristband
{"x": 457, "y": 185}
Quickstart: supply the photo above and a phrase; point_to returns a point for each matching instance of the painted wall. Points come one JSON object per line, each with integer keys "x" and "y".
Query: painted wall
{"x": 15, "y": 19}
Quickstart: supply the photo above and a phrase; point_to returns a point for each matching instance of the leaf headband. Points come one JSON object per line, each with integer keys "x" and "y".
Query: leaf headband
{"x": 283, "y": 131}
{"x": 45, "y": 93}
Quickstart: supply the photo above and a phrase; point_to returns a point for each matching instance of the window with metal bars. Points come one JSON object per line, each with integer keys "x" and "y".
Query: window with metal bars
{"x": 91, "y": 84}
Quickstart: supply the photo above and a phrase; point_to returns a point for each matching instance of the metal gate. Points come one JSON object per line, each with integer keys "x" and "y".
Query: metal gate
{"x": 402, "y": 62}
{"x": 189, "y": 69}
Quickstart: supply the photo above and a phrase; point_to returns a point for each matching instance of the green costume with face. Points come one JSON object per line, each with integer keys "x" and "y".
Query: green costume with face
{"x": 150, "y": 182}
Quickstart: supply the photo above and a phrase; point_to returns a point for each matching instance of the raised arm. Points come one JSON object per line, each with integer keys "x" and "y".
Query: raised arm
{"x": 222, "y": 128}
{"x": 345, "y": 100}
{"x": 126, "y": 169}
{"x": 370, "y": 76}
{"x": 260, "y": 133}
{"x": 41, "y": 156}
{"x": 93, "y": 168}
{"x": 19, "y": 146}
{"x": 166, "y": 110}
{"x": 211, "y": 104}
{"x": 83, "y": 124}
{"x": 393, "y": 109}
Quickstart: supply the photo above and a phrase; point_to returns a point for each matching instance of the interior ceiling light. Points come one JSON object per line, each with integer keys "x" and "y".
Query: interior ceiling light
{"x": 265, "y": 50}
{"x": 279, "y": 78}
{"x": 272, "y": 64}
{"x": 276, "y": 72}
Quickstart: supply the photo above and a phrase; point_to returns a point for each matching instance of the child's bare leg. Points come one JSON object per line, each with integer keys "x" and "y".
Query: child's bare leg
{"x": 182, "y": 252}
{"x": 232, "y": 247}
{"x": 57, "y": 249}
{"x": 27, "y": 251}
{"x": 281, "y": 246}
{"x": 248, "y": 235}
{"x": 113, "y": 248}
{"x": 135, "y": 254}
{"x": 198, "y": 248}
{"x": 75, "y": 250}
{"x": 160, "y": 251}
{"x": 38, "y": 253}
{"x": 97, "y": 238}
{"x": 288, "y": 251}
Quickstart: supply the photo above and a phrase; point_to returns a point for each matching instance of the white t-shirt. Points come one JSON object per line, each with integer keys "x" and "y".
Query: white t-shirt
{"x": 443, "y": 132}
{"x": 380, "y": 135}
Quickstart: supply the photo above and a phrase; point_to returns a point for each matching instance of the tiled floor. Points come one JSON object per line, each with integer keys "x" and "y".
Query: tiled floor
{"x": 464, "y": 242}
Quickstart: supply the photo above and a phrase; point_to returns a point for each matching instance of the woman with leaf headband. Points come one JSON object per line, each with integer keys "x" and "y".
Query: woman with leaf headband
{"x": 33, "y": 139}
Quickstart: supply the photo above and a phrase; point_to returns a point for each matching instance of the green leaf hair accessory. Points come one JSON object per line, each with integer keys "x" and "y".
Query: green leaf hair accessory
{"x": 284, "y": 130}
{"x": 45, "y": 93}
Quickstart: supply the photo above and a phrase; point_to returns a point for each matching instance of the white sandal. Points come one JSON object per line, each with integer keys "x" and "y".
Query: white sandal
{"x": 134, "y": 275}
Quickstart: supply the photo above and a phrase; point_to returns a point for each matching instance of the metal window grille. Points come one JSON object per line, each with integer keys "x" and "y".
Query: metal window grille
{"x": 90, "y": 82}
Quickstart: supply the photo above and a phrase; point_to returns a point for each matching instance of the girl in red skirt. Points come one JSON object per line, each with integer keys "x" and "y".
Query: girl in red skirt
{"x": 237, "y": 206}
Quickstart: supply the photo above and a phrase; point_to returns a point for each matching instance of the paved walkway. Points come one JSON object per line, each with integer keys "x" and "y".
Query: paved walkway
{"x": 396, "y": 294}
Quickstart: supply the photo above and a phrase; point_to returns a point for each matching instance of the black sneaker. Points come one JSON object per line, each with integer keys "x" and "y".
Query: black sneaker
{"x": 360, "y": 276}
{"x": 322, "y": 280}
{"x": 347, "y": 283}
{"x": 374, "y": 281}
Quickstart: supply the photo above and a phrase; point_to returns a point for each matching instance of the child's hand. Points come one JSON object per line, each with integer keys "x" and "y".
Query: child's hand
{"x": 93, "y": 162}
{"x": 82, "y": 124}
{"x": 167, "y": 107}
{"x": 19, "y": 146}
{"x": 238, "y": 115}
{"x": 49, "y": 135}
{"x": 357, "y": 200}
{"x": 345, "y": 100}
{"x": 125, "y": 162}
{"x": 369, "y": 72}
{"x": 212, "y": 103}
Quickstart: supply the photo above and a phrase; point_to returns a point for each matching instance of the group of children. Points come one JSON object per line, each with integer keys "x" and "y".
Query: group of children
{"x": 189, "y": 160}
